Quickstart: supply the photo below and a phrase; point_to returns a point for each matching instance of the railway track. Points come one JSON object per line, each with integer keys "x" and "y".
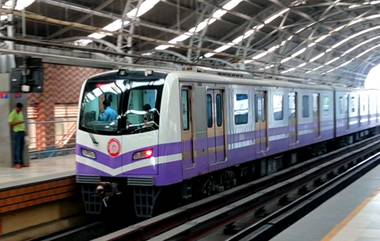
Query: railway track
{"x": 277, "y": 221}
{"x": 254, "y": 209}
{"x": 86, "y": 232}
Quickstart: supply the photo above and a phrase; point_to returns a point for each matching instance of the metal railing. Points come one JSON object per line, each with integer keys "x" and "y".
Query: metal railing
{"x": 51, "y": 137}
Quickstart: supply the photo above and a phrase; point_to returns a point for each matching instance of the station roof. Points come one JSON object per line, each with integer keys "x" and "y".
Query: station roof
{"x": 323, "y": 41}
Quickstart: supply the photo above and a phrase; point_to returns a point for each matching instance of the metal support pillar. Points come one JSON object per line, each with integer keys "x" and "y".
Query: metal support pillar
{"x": 8, "y": 101}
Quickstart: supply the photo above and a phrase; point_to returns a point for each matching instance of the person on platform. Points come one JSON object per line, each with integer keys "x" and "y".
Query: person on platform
{"x": 17, "y": 125}
{"x": 108, "y": 114}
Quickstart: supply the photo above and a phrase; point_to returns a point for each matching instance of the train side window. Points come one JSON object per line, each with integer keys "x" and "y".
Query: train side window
{"x": 209, "y": 111}
{"x": 278, "y": 107}
{"x": 219, "y": 110}
{"x": 341, "y": 105}
{"x": 241, "y": 109}
{"x": 260, "y": 115}
{"x": 326, "y": 103}
{"x": 305, "y": 106}
{"x": 185, "y": 109}
{"x": 345, "y": 104}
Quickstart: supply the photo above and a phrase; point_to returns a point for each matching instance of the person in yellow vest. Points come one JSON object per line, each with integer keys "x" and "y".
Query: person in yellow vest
{"x": 17, "y": 125}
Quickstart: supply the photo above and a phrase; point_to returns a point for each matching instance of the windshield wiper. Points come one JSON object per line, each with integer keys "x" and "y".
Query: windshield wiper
{"x": 93, "y": 139}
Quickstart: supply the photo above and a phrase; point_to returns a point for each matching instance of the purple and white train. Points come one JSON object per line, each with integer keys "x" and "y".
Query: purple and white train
{"x": 184, "y": 133}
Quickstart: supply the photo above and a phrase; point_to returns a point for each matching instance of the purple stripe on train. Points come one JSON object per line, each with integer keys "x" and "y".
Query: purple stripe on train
{"x": 197, "y": 145}
{"x": 352, "y": 124}
{"x": 201, "y": 165}
{"x": 172, "y": 172}
{"x": 169, "y": 173}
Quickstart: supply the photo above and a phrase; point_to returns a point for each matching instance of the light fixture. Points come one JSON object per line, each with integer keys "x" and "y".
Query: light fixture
{"x": 163, "y": 47}
{"x": 118, "y": 23}
{"x": 20, "y": 5}
{"x": 276, "y": 15}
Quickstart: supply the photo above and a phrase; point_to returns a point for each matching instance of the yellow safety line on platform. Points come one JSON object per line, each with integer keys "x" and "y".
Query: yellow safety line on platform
{"x": 350, "y": 217}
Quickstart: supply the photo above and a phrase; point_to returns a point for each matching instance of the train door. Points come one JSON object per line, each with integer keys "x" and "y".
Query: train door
{"x": 366, "y": 109}
{"x": 317, "y": 114}
{"x": 363, "y": 109}
{"x": 293, "y": 123}
{"x": 215, "y": 126}
{"x": 261, "y": 121}
{"x": 360, "y": 111}
{"x": 377, "y": 108}
{"x": 371, "y": 108}
{"x": 187, "y": 128}
{"x": 354, "y": 116}
{"x": 347, "y": 111}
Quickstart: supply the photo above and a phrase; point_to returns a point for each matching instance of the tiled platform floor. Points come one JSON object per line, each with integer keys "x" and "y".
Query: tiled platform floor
{"x": 39, "y": 170}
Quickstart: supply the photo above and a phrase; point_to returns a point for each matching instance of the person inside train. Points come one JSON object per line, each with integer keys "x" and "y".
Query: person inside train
{"x": 108, "y": 114}
{"x": 148, "y": 115}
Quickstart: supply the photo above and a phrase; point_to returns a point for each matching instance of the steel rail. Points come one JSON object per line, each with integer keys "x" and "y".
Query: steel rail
{"x": 259, "y": 204}
{"x": 221, "y": 208}
{"x": 85, "y": 232}
{"x": 273, "y": 224}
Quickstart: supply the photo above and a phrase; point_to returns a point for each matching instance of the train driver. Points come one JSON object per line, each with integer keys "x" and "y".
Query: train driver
{"x": 108, "y": 114}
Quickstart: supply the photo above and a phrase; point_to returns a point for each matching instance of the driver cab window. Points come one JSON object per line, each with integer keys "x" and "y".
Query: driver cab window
{"x": 100, "y": 107}
{"x": 121, "y": 106}
{"x": 144, "y": 101}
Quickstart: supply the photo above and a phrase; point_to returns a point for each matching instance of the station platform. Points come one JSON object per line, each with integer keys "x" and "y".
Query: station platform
{"x": 351, "y": 215}
{"x": 38, "y": 198}
{"x": 40, "y": 170}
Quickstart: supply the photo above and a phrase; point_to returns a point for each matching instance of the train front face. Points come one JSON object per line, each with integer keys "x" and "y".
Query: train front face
{"x": 118, "y": 126}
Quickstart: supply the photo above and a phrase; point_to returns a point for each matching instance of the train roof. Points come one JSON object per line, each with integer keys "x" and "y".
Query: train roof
{"x": 139, "y": 73}
{"x": 225, "y": 77}
{"x": 222, "y": 79}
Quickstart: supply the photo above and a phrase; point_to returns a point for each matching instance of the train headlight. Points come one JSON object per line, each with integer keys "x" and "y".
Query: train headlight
{"x": 143, "y": 154}
{"x": 89, "y": 154}
{"x": 114, "y": 147}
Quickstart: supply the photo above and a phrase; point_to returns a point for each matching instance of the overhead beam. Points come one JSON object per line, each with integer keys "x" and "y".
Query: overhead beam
{"x": 80, "y": 20}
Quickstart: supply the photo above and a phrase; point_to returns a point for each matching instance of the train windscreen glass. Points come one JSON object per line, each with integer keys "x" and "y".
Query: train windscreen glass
{"x": 121, "y": 106}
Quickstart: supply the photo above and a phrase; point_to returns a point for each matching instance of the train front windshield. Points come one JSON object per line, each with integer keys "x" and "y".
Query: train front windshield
{"x": 120, "y": 106}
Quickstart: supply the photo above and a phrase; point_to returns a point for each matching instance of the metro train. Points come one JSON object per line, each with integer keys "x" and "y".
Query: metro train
{"x": 179, "y": 134}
